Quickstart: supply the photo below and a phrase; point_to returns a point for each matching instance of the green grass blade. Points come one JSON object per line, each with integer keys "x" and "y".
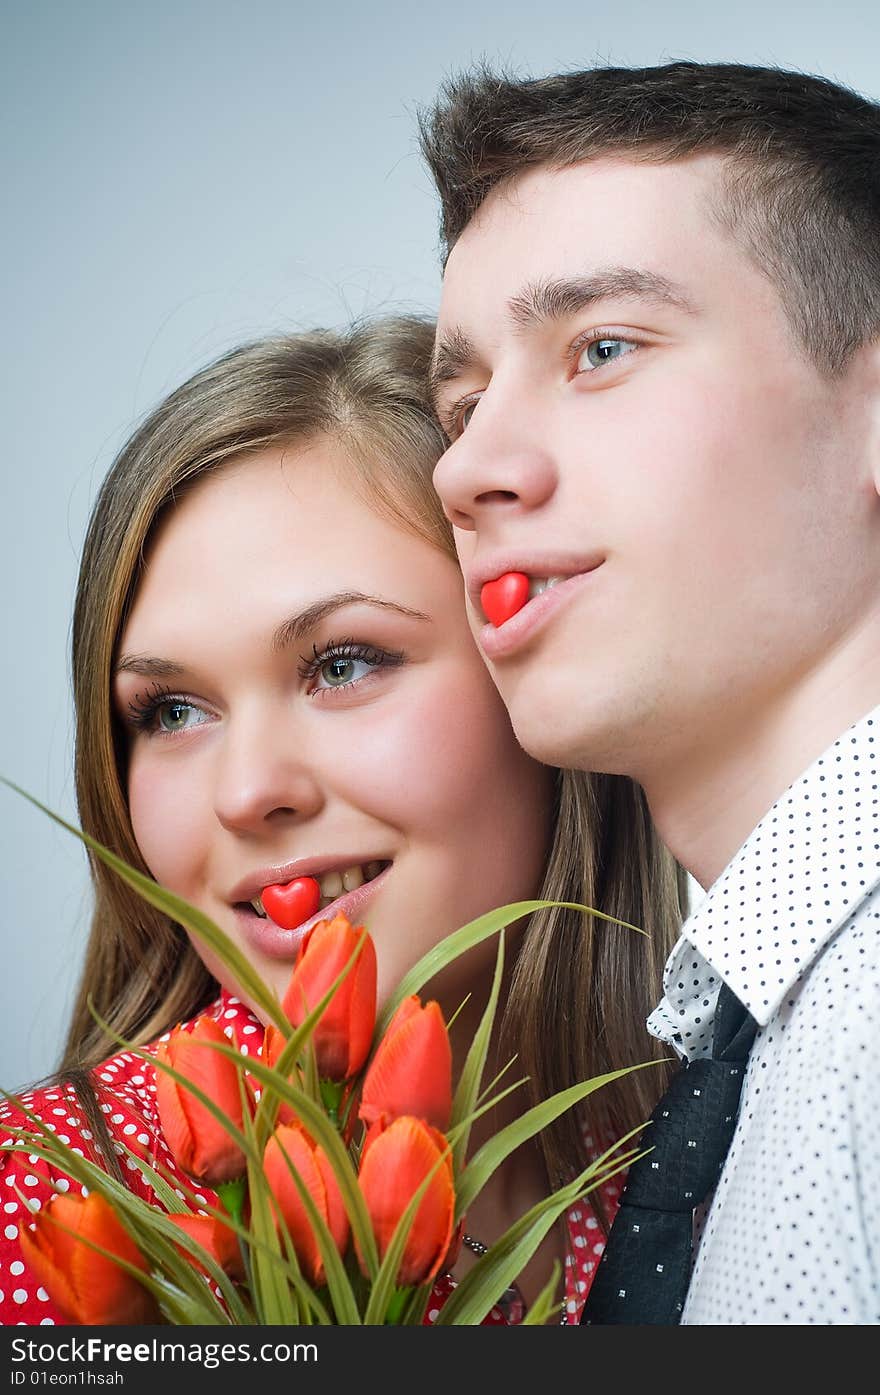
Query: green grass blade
{"x": 341, "y": 1293}
{"x": 472, "y": 934}
{"x": 546, "y": 1305}
{"x": 484, "y": 1284}
{"x": 477, "y": 1172}
{"x": 179, "y": 910}
{"x": 468, "y": 1089}
{"x": 314, "y": 1118}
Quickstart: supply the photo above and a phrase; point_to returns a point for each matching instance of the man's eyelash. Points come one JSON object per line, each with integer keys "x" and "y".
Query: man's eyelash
{"x": 595, "y": 336}
{"x": 450, "y": 417}
{"x": 346, "y": 649}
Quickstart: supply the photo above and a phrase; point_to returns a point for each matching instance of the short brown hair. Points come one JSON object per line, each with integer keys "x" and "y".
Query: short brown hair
{"x": 801, "y": 190}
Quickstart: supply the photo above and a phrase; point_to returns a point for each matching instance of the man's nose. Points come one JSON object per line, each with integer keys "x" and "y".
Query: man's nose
{"x": 497, "y": 468}
{"x": 265, "y": 776}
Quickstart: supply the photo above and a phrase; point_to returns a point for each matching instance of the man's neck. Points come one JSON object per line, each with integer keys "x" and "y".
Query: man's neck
{"x": 706, "y": 804}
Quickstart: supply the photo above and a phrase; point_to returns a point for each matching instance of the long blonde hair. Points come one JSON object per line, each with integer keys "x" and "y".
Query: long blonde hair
{"x": 366, "y": 389}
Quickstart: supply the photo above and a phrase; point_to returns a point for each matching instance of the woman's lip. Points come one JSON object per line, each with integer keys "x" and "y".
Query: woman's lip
{"x": 277, "y": 943}
{"x": 525, "y": 624}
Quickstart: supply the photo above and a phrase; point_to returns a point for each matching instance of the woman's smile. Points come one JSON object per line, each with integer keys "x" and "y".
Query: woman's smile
{"x": 303, "y": 699}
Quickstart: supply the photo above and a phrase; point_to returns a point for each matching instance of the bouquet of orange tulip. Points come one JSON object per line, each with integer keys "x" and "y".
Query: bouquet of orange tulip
{"x": 339, "y": 1156}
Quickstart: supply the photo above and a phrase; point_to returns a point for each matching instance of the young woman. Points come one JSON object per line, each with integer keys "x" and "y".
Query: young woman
{"x": 274, "y": 678}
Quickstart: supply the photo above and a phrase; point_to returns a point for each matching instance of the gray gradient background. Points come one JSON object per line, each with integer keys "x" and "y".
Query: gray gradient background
{"x": 177, "y": 178}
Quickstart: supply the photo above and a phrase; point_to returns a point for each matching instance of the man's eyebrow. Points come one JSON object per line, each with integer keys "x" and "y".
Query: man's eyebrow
{"x": 290, "y": 631}
{"x": 554, "y": 299}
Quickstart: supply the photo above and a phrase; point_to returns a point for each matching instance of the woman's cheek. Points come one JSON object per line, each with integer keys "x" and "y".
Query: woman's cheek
{"x": 441, "y": 757}
{"x": 165, "y": 820}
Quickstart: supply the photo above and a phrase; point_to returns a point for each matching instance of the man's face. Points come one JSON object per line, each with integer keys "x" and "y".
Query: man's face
{"x": 630, "y": 411}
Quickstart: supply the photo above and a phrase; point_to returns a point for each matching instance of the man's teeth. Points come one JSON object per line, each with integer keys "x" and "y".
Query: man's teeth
{"x": 333, "y": 884}
{"x": 537, "y": 584}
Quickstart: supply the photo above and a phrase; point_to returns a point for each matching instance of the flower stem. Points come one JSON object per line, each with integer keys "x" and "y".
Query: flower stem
{"x": 399, "y": 1299}
{"x": 232, "y": 1197}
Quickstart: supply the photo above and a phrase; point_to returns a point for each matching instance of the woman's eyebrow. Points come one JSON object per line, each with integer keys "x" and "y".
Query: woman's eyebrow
{"x": 290, "y": 631}
{"x": 148, "y": 666}
{"x": 297, "y": 626}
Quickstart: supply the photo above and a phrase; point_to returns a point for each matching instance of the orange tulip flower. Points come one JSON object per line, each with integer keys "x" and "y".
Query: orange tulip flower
{"x": 88, "y": 1288}
{"x": 290, "y": 1146}
{"x": 342, "y": 1037}
{"x": 411, "y": 1072}
{"x": 394, "y": 1164}
{"x": 218, "y": 1239}
{"x": 199, "y": 1142}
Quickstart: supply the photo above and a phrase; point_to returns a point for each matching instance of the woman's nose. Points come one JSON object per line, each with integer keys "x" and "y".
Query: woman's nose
{"x": 264, "y": 775}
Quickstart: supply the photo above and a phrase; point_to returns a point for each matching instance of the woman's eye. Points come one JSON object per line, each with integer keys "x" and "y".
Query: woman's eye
{"x": 601, "y": 351}
{"x": 337, "y": 672}
{"x": 179, "y": 716}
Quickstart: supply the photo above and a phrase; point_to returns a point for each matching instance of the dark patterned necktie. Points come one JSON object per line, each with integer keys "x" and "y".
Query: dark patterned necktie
{"x": 644, "y": 1272}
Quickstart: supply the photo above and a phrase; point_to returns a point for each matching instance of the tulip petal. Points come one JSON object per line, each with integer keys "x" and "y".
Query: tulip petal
{"x": 393, "y": 1168}
{"x": 411, "y": 1072}
{"x": 88, "y": 1288}
{"x": 200, "y": 1144}
{"x": 218, "y": 1239}
{"x": 288, "y": 1147}
{"x": 343, "y": 1035}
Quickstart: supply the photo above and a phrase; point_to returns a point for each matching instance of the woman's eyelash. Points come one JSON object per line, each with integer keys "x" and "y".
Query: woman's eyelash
{"x": 346, "y": 649}
{"x": 142, "y": 709}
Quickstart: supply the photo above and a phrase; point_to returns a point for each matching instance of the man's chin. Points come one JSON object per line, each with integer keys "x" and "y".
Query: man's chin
{"x": 561, "y": 731}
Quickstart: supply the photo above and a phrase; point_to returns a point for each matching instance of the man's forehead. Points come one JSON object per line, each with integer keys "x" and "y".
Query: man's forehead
{"x": 583, "y": 222}
{"x": 647, "y": 175}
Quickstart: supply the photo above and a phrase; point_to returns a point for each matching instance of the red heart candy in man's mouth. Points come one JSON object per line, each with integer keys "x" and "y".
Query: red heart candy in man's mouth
{"x": 504, "y": 596}
{"x": 293, "y": 903}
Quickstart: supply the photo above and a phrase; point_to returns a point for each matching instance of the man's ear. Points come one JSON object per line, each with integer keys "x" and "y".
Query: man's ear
{"x": 871, "y": 369}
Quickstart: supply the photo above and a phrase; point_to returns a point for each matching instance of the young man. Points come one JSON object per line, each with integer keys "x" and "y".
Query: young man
{"x": 658, "y": 367}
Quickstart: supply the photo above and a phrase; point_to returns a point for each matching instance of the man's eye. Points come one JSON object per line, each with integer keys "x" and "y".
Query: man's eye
{"x": 462, "y": 415}
{"x": 601, "y": 351}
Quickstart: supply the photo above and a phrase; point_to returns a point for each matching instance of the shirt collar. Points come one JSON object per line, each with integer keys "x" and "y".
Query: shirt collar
{"x": 762, "y": 923}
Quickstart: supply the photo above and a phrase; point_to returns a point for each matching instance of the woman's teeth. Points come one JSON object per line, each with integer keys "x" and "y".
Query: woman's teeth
{"x": 537, "y": 584}
{"x": 333, "y": 884}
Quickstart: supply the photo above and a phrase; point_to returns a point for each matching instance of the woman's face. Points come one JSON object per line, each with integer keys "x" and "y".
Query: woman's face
{"x": 303, "y": 698}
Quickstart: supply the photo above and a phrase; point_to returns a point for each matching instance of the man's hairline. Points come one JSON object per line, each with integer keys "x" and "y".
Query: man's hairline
{"x": 718, "y": 205}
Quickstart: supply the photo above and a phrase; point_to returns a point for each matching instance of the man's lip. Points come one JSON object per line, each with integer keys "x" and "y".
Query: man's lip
{"x": 532, "y": 565}
{"x": 521, "y": 628}
{"x": 281, "y": 873}
{"x": 277, "y": 943}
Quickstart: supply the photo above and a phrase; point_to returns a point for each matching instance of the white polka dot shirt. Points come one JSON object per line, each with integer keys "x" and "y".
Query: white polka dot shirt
{"x": 792, "y": 1233}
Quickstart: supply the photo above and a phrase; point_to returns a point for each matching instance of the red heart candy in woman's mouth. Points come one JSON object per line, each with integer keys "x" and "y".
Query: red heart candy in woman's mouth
{"x": 293, "y": 903}
{"x": 504, "y": 596}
